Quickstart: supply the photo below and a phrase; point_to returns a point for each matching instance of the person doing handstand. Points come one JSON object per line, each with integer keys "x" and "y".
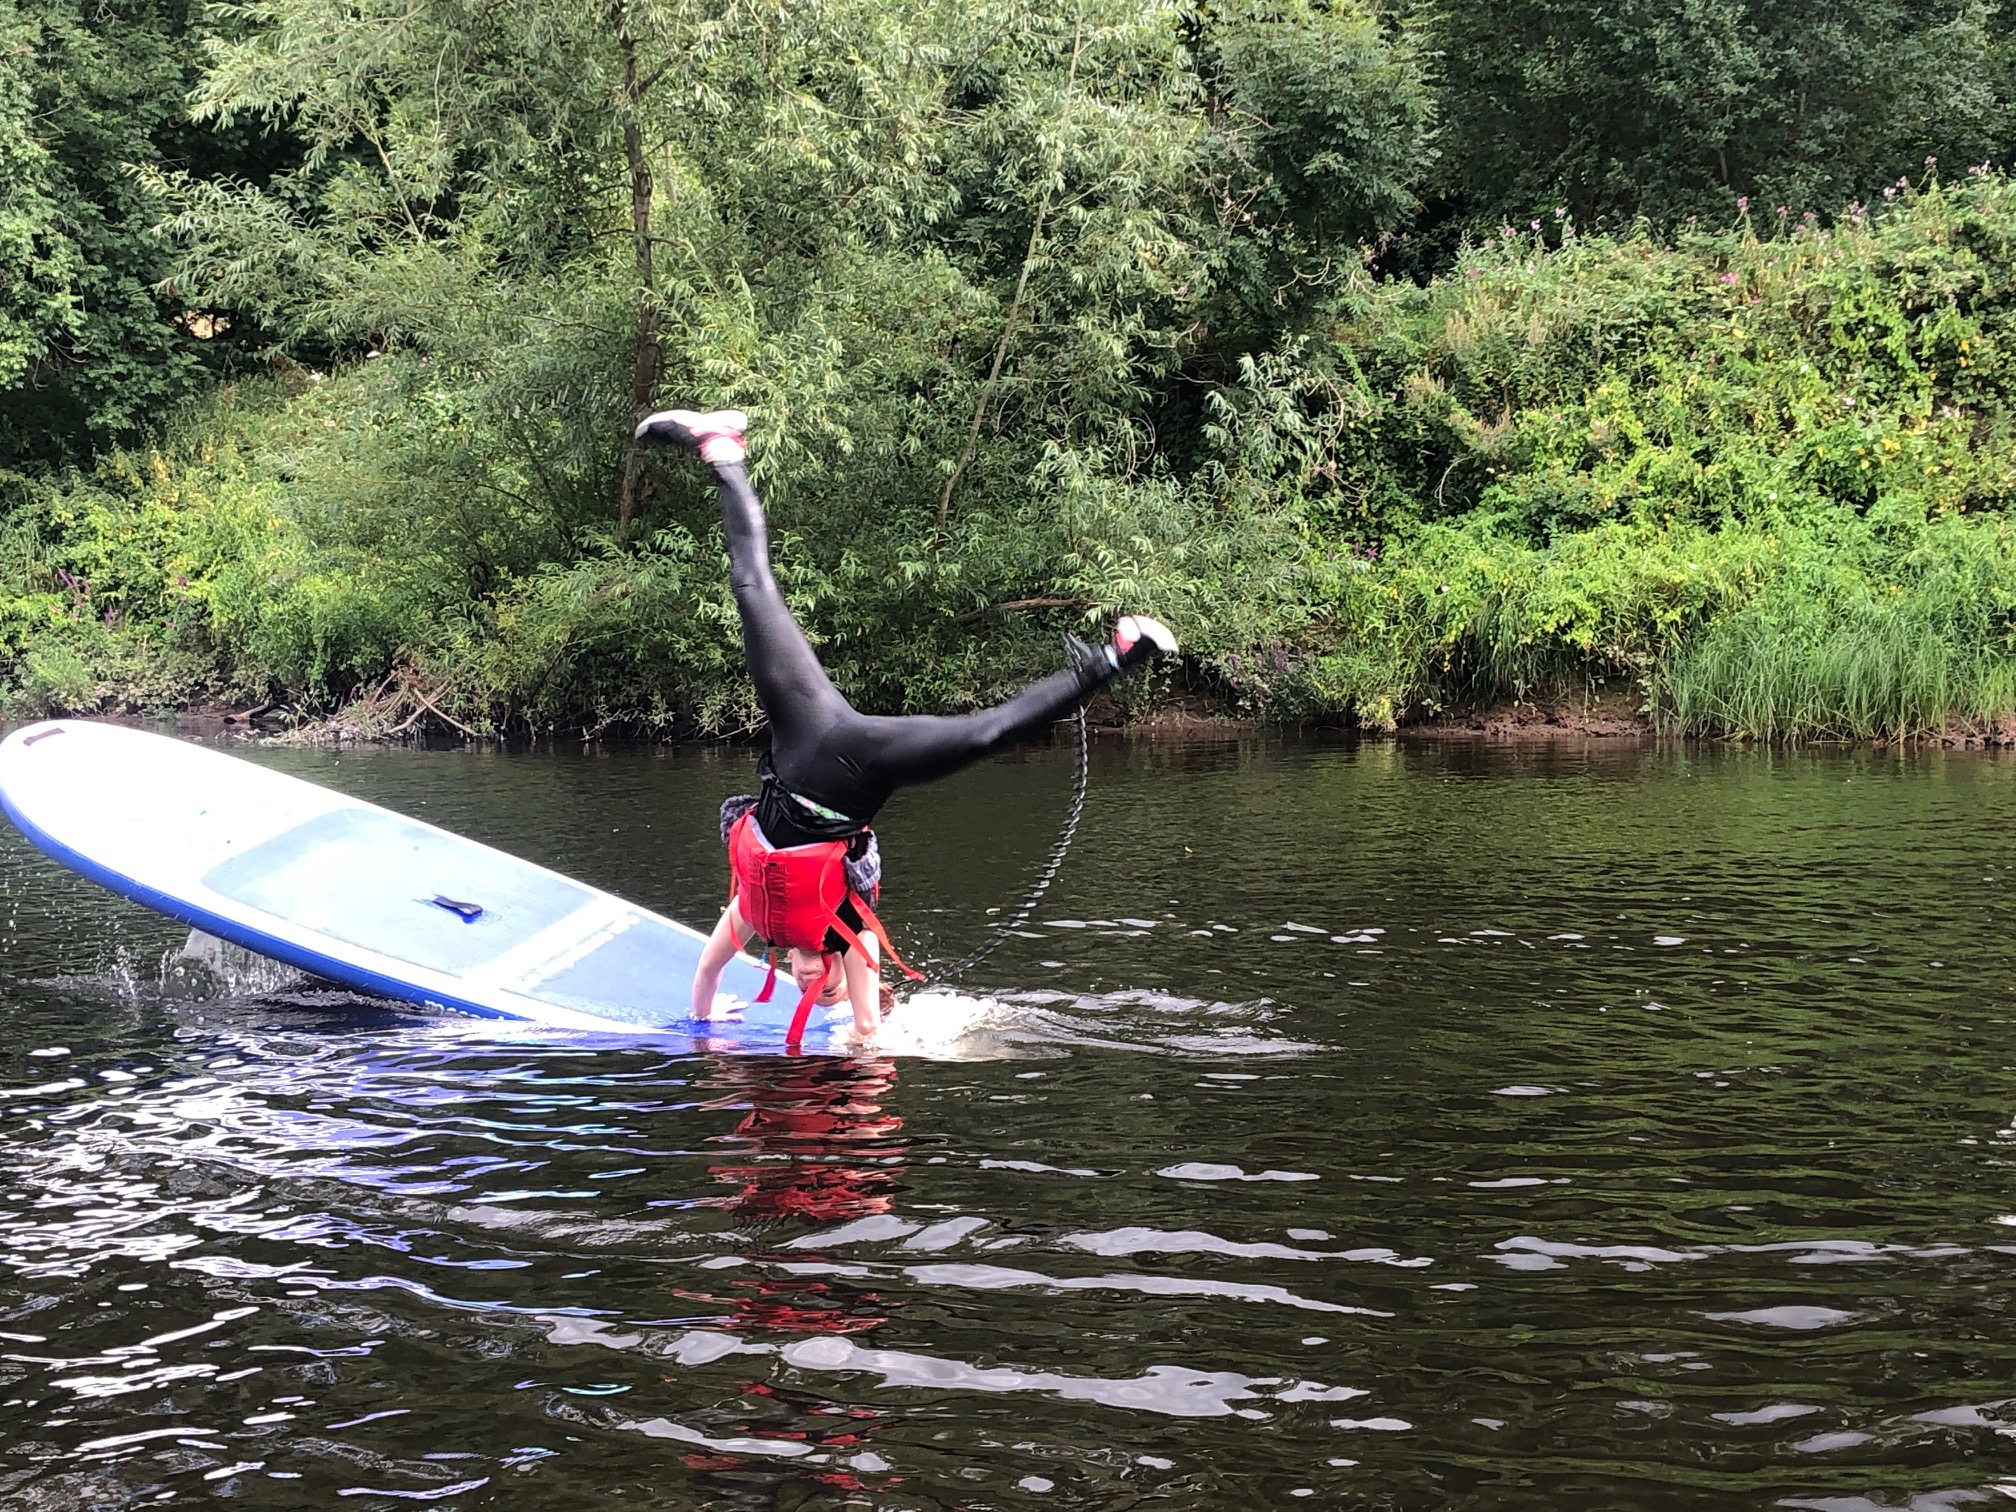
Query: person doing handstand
{"x": 803, "y": 862}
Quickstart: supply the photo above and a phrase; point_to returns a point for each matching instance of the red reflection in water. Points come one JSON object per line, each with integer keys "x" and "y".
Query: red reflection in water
{"x": 814, "y": 1145}
{"x": 814, "y": 1142}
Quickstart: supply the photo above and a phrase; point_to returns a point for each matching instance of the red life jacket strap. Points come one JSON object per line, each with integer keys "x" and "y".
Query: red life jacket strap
{"x": 881, "y": 938}
{"x": 770, "y": 978}
{"x": 796, "y": 1035}
{"x": 847, "y": 936}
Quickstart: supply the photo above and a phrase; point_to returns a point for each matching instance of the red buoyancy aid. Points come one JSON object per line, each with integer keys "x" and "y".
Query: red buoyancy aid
{"x": 791, "y": 898}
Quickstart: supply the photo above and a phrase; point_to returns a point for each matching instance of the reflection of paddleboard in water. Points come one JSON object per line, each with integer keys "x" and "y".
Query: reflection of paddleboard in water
{"x": 355, "y": 893}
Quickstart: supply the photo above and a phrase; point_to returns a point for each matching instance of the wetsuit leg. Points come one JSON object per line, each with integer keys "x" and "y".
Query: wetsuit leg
{"x": 903, "y": 750}
{"x": 795, "y": 692}
{"x": 821, "y": 747}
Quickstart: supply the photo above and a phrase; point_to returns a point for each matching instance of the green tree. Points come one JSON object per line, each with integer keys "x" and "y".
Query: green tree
{"x": 736, "y": 206}
{"x": 90, "y": 350}
{"x": 1648, "y": 107}
{"x": 1321, "y": 117}
{"x": 970, "y": 265}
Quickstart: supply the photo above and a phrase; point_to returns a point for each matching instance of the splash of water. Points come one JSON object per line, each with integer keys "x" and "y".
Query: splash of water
{"x": 206, "y": 969}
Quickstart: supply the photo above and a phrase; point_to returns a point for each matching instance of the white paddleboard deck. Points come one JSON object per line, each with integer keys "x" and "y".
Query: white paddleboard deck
{"x": 358, "y": 894}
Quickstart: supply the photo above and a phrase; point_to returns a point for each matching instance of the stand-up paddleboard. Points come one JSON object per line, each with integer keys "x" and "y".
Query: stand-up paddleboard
{"x": 358, "y": 894}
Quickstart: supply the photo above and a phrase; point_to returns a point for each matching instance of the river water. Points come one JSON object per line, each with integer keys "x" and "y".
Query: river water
{"x": 1365, "y": 1126}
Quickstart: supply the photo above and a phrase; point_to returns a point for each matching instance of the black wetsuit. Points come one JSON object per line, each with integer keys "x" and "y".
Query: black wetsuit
{"x": 824, "y": 752}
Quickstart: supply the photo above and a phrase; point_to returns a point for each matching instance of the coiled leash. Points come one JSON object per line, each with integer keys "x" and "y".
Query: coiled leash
{"x": 1048, "y": 875}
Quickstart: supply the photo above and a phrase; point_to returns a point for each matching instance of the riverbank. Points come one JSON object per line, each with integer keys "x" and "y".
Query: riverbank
{"x": 402, "y": 708}
{"x": 1751, "y": 485}
{"x": 1604, "y": 719}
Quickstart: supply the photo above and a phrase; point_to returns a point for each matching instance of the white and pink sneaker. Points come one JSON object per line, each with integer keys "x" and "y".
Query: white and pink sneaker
{"x": 717, "y": 435}
{"x": 1137, "y": 639}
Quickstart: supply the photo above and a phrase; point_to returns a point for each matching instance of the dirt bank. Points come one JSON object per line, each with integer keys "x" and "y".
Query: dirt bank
{"x": 1606, "y": 716}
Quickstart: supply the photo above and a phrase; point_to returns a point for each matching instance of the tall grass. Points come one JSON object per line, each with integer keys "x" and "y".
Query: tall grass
{"x": 1928, "y": 661}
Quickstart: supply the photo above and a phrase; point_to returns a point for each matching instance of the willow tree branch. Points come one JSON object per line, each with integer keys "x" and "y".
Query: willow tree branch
{"x": 648, "y": 362}
{"x": 1014, "y": 307}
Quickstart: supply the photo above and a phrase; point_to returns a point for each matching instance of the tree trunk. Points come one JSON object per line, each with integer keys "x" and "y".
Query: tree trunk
{"x": 649, "y": 360}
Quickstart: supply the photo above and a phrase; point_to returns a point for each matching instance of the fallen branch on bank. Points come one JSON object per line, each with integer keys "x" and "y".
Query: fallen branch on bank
{"x": 400, "y": 701}
{"x": 1018, "y": 606}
